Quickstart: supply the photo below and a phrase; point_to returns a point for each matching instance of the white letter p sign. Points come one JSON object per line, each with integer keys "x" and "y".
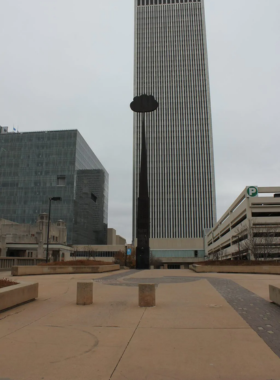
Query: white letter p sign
{"x": 252, "y": 191}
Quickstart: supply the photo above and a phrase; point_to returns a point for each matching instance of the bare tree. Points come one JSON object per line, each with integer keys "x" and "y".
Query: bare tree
{"x": 241, "y": 241}
{"x": 215, "y": 256}
{"x": 155, "y": 261}
{"x": 222, "y": 253}
{"x": 91, "y": 252}
{"x": 257, "y": 241}
{"x": 219, "y": 254}
{"x": 268, "y": 241}
{"x": 123, "y": 259}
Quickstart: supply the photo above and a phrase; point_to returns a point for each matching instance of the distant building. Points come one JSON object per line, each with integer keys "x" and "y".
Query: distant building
{"x": 29, "y": 240}
{"x": 38, "y": 165}
{"x": 177, "y": 253}
{"x": 249, "y": 229}
{"x": 115, "y": 244}
{"x": 113, "y": 238}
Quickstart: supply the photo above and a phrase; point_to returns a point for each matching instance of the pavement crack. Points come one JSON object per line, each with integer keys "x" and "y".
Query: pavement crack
{"x": 30, "y": 323}
{"x": 10, "y": 315}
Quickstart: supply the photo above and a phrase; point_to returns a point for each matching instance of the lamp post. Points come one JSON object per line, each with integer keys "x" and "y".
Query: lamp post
{"x": 50, "y": 202}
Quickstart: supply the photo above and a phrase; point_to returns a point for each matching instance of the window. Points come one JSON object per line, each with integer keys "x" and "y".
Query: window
{"x": 61, "y": 180}
{"x": 93, "y": 197}
{"x": 239, "y": 221}
{"x": 265, "y": 214}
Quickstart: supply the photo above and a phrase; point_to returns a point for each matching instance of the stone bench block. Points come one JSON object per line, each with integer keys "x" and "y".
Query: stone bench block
{"x": 14, "y": 295}
{"x": 147, "y": 295}
{"x": 274, "y": 294}
{"x": 85, "y": 293}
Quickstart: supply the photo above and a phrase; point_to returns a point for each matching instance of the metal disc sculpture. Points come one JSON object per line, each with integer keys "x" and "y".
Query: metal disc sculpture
{"x": 143, "y": 104}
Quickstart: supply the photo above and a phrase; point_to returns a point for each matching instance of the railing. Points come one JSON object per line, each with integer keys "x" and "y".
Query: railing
{"x": 6, "y": 263}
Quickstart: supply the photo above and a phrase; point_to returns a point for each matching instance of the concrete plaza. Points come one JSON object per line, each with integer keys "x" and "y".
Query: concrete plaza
{"x": 204, "y": 327}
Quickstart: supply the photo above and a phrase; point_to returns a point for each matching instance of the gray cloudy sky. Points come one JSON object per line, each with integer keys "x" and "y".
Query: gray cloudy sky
{"x": 68, "y": 64}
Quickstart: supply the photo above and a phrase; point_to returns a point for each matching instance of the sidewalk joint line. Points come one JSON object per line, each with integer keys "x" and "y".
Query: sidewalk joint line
{"x": 197, "y": 328}
{"x": 127, "y": 344}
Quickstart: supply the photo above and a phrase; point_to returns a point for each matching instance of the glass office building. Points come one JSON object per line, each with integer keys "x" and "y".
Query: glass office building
{"x": 170, "y": 62}
{"x": 36, "y": 166}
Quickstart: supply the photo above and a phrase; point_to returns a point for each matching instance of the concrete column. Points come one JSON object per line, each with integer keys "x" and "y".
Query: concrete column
{"x": 40, "y": 247}
{"x": 85, "y": 293}
{"x": 182, "y": 266}
{"x": 3, "y": 246}
{"x": 147, "y": 295}
{"x": 274, "y": 294}
{"x": 62, "y": 232}
{"x": 152, "y": 267}
{"x": 165, "y": 266}
{"x": 42, "y": 224}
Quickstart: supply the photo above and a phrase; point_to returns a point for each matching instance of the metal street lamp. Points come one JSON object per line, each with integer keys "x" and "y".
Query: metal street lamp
{"x": 50, "y": 202}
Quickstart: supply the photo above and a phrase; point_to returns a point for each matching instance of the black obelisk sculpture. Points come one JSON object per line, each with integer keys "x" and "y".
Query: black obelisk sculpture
{"x": 143, "y": 104}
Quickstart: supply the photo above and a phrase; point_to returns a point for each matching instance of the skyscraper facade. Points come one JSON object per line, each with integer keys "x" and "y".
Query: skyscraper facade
{"x": 36, "y": 166}
{"x": 170, "y": 62}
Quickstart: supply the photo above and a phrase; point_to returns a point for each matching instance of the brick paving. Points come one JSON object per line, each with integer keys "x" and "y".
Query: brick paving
{"x": 262, "y": 316}
{"x": 113, "y": 278}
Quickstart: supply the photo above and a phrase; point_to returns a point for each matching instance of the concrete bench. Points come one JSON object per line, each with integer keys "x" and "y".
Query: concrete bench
{"x": 147, "y": 295}
{"x": 274, "y": 294}
{"x": 18, "y": 294}
{"x": 85, "y": 293}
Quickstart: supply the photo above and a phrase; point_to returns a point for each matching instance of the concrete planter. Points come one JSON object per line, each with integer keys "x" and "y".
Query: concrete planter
{"x": 17, "y": 294}
{"x": 39, "y": 270}
{"x": 274, "y": 294}
{"x": 257, "y": 269}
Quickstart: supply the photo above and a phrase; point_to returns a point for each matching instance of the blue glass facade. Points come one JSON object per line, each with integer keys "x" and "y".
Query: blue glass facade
{"x": 38, "y": 165}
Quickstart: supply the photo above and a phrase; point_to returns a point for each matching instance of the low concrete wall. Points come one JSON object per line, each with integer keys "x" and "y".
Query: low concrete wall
{"x": 17, "y": 294}
{"x": 38, "y": 270}
{"x": 274, "y": 294}
{"x": 258, "y": 269}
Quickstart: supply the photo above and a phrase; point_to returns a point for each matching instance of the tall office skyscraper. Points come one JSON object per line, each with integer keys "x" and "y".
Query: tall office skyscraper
{"x": 170, "y": 62}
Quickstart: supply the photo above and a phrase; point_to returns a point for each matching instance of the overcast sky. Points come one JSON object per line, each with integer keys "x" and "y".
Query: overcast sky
{"x": 68, "y": 64}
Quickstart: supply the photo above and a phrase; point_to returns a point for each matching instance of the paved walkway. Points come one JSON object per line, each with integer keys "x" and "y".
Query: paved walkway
{"x": 215, "y": 326}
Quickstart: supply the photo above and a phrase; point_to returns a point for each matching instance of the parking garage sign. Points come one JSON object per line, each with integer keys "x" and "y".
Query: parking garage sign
{"x": 252, "y": 191}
